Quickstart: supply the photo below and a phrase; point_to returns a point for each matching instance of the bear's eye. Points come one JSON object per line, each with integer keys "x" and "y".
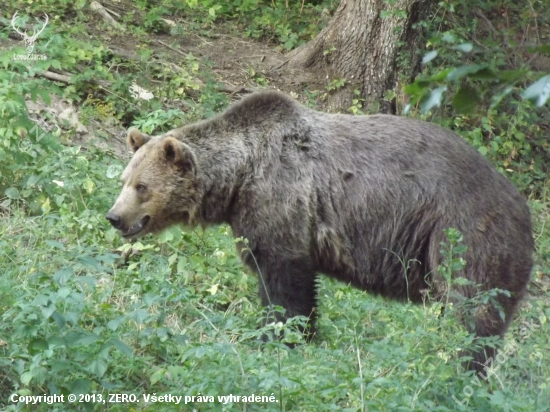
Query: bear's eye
{"x": 141, "y": 188}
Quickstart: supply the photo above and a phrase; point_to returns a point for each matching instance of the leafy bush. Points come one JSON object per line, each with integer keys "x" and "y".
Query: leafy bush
{"x": 179, "y": 317}
{"x": 491, "y": 85}
{"x": 290, "y": 24}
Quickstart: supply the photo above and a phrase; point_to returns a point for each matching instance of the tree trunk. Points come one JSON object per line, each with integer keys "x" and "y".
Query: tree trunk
{"x": 360, "y": 44}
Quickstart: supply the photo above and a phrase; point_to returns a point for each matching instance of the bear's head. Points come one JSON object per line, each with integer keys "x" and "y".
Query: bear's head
{"x": 160, "y": 186}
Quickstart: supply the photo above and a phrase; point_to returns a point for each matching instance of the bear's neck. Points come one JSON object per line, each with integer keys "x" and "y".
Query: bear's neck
{"x": 232, "y": 159}
{"x": 223, "y": 174}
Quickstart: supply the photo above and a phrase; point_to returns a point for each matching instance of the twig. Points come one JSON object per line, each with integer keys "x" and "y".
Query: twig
{"x": 534, "y": 14}
{"x": 482, "y": 16}
{"x": 227, "y": 88}
{"x": 279, "y": 66}
{"x": 171, "y": 48}
{"x": 114, "y": 13}
{"x": 360, "y": 375}
{"x": 99, "y": 9}
{"x": 55, "y": 76}
{"x": 66, "y": 78}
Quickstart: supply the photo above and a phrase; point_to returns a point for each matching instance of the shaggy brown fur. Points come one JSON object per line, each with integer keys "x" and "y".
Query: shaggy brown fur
{"x": 352, "y": 197}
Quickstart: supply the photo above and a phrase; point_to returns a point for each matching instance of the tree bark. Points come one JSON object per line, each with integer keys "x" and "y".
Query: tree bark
{"x": 361, "y": 44}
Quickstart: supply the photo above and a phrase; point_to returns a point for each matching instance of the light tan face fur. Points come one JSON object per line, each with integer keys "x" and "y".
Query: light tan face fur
{"x": 159, "y": 186}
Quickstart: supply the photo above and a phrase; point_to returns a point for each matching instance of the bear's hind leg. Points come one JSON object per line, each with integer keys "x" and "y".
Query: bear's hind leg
{"x": 488, "y": 322}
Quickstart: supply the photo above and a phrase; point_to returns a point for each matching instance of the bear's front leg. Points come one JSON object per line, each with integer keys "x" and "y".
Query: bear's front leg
{"x": 290, "y": 284}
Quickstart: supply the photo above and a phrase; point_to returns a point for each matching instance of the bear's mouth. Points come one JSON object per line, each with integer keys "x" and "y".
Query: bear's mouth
{"x": 134, "y": 230}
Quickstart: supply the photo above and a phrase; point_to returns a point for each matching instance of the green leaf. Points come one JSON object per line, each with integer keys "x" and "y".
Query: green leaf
{"x": 483, "y": 74}
{"x": 48, "y": 310}
{"x": 80, "y": 386}
{"x": 110, "y": 235}
{"x": 157, "y": 375}
{"x": 510, "y": 76}
{"x": 182, "y": 263}
{"x": 114, "y": 171}
{"x": 448, "y": 38}
{"x": 108, "y": 258}
{"x": 428, "y": 57}
{"x": 59, "y": 319}
{"x": 416, "y": 88}
{"x": 12, "y": 193}
{"x": 56, "y": 64}
{"x": 34, "y": 93}
{"x": 40, "y": 375}
{"x": 40, "y": 300}
{"x": 98, "y": 367}
{"x": 90, "y": 262}
{"x": 88, "y": 185}
{"x": 539, "y": 91}
{"x": 88, "y": 280}
{"x": 45, "y": 95}
{"x": 55, "y": 244}
{"x": 37, "y": 345}
{"x": 442, "y": 75}
{"x": 81, "y": 339}
{"x": 462, "y": 71}
{"x": 165, "y": 237}
{"x": 545, "y": 49}
{"x": 466, "y": 99}
{"x": 62, "y": 275}
{"x": 290, "y": 43}
{"x": 464, "y": 47}
{"x": 139, "y": 315}
{"x": 113, "y": 324}
{"x": 121, "y": 346}
{"x": 433, "y": 99}
{"x": 497, "y": 98}
{"x": 400, "y": 13}
{"x": 26, "y": 377}
{"x": 63, "y": 292}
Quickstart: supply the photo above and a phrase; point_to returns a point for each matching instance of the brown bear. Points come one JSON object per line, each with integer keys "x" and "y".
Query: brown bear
{"x": 357, "y": 198}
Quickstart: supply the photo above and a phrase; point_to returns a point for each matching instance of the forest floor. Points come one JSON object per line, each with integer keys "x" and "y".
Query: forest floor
{"x": 239, "y": 65}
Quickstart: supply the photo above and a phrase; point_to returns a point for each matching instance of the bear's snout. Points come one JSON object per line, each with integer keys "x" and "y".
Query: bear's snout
{"x": 127, "y": 229}
{"x": 113, "y": 219}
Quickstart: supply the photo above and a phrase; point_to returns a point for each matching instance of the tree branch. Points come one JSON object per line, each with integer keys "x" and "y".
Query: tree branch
{"x": 99, "y": 9}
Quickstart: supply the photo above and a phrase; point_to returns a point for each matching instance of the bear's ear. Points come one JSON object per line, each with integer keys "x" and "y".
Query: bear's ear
{"x": 136, "y": 139}
{"x": 179, "y": 154}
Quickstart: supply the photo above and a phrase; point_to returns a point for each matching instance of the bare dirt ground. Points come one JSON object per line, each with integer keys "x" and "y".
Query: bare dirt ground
{"x": 232, "y": 58}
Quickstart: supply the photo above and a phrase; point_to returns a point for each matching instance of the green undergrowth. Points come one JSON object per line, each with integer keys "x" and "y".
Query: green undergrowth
{"x": 181, "y": 317}
{"x": 284, "y": 24}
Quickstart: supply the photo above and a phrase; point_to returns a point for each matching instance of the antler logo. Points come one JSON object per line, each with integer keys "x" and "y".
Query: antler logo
{"x": 29, "y": 40}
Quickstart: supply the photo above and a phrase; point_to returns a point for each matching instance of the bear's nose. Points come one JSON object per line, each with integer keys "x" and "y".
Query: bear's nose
{"x": 113, "y": 218}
